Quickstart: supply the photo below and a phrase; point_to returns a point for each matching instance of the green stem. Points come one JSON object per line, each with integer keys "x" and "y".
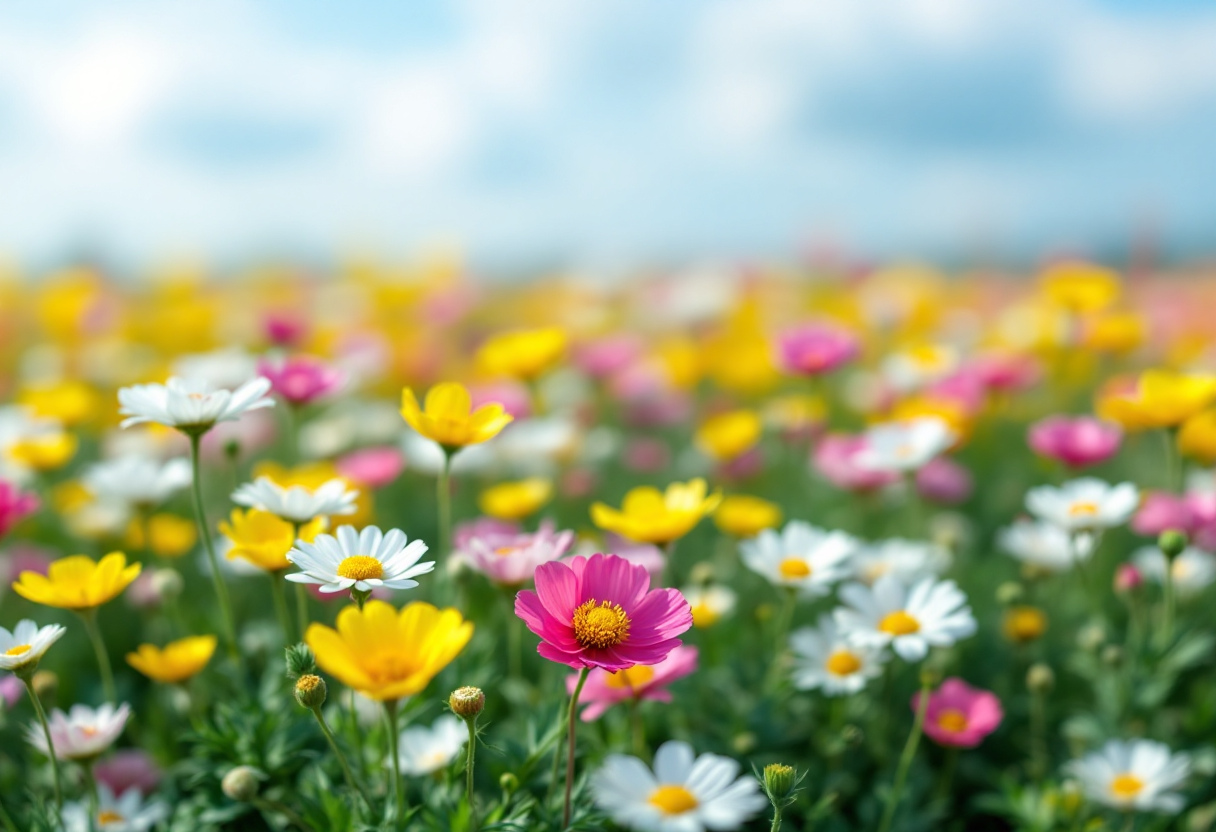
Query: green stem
{"x": 284, "y": 810}
{"x": 9, "y": 824}
{"x": 280, "y": 605}
{"x": 89, "y": 616}
{"x": 333, "y": 744}
{"x": 637, "y": 728}
{"x": 390, "y": 710}
{"x": 570, "y": 723}
{"x": 947, "y": 776}
{"x": 302, "y": 608}
{"x": 776, "y": 827}
{"x": 91, "y": 787}
{"x": 204, "y": 531}
{"x": 443, "y": 495}
{"x": 1173, "y": 467}
{"x": 905, "y": 760}
{"x": 468, "y": 771}
{"x": 780, "y": 631}
{"x": 46, "y": 732}
{"x": 1038, "y": 735}
{"x": 1168, "y": 601}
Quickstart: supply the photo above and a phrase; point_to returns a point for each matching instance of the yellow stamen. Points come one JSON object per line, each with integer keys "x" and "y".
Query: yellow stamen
{"x": 703, "y": 615}
{"x": 360, "y": 568}
{"x": 952, "y": 720}
{"x": 794, "y": 568}
{"x": 19, "y": 650}
{"x": 110, "y": 816}
{"x": 843, "y": 663}
{"x": 1126, "y": 786}
{"x": 1083, "y": 509}
{"x": 600, "y": 624}
{"x": 634, "y": 678}
{"x": 899, "y": 623}
{"x": 504, "y": 551}
{"x": 672, "y": 800}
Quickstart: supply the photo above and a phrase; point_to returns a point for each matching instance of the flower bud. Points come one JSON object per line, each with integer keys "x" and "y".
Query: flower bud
{"x": 232, "y": 450}
{"x": 1024, "y": 624}
{"x": 509, "y": 783}
{"x": 467, "y": 702}
{"x": 1091, "y": 637}
{"x": 1008, "y": 593}
{"x": 242, "y": 783}
{"x": 779, "y": 780}
{"x": 744, "y": 743}
{"x": 1128, "y": 579}
{"x": 852, "y": 735}
{"x": 310, "y": 691}
{"x": 1040, "y": 678}
{"x": 1172, "y": 543}
{"x": 702, "y": 573}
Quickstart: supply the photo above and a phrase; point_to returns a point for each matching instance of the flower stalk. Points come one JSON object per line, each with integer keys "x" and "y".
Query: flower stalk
{"x": 204, "y": 530}
{"x": 905, "y": 759}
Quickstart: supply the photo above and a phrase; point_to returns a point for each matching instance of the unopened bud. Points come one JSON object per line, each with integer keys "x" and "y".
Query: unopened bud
{"x": 852, "y": 735}
{"x": 232, "y": 450}
{"x": 508, "y": 782}
{"x": 310, "y": 691}
{"x": 46, "y": 685}
{"x": 1040, "y": 678}
{"x": 1172, "y": 543}
{"x": 467, "y": 702}
{"x": 778, "y": 781}
{"x": 1009, "y": 592}
{"x": 1091, "y": 637}
{"x": 1128, "y": 579}
{"x": 702, "y": 573}
{"x": 242, "y": 783}
{"x": 930, "y": 677}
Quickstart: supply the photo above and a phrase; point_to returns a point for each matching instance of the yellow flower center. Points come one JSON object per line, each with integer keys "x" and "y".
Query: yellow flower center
{"x": 952, "y": 720}
{"x": 19, "y": 650}
{"x": 899, "y": 623}
{"x": 110, "y": 816}
{"x": 88, "y": 730}
{"x": 794, "y": 569}
{"x": 1083, "y": 509}
{"x": 634, "y": 678}
{"x": 1126, "y": 786}
{"x": 505, "y": 551}
{"x": 672, "y": 800}
{"x": 843, "y": 663}
{"x": 600, "y": 624}
{"x": 703, "y": 615}
{"x": 360, "y": 568}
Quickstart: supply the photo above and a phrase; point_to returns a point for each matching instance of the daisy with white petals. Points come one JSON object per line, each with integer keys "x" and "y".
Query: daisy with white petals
{"x": 800, "y": 557}
{"x": 684, "y": 793}
{"x": 359, "y": 561}
{"x": 21, "y": 649}
{"x": 191, "y": 405}
{"x": 424, "y": 750}
{"x": 1084, "y": 505}
{"x": 903, "y": 447}
{"x": 908, "y": 560}
{"x": 931, "y": 613}
{"x": 128, "y": 812}
{"x": 824, "y": 659}
{"x": 1042, "y": 544}
{"x": 1192, "y": 571}
{"x": 297, "y": 504}
{"x": 138, "y": 481}
{"x": 81, "y": 733}
{"x": 1136, "y": 775}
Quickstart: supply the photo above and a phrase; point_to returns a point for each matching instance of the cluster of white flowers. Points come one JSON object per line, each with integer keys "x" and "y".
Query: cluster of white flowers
{"x": 1068, "y": 521}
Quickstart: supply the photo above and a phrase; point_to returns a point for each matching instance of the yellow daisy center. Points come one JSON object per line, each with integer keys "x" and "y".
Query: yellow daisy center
{"x": 360, "y": 568}
{"x": 600, "y": 624}
{"x": 110, "y": 816}
{"x": 952, "y": 720}
{"x": 1126, "y": 785}
{"x": 794, "y": 568}
{"x": 19, "y": 650}
{"x": 703, "y": 615}
{"x": 505, "y": 551}
{"x": 843, "y": 663}
{"x": 634, "y": 678}
{"x": 899, "y": 623}
{"x": 672, "y": 800}
{"x": 1083, "y": 509}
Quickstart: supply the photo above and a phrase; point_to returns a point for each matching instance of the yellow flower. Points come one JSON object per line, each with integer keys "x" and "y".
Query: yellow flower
{"x": 648, "y": 515}
{"x": 525, "y": 354}
{"x": 948, "y": 410}
{"x": 516, "y": 500}
{"x": 795, "y": 412}
{"x": 729, "y": 435}
{"x": 78, "y": 582}
{"x": 69, "y": 402}
{"x": 1080, "y": 287}
{"x": 1197, "y": 438}
{"x": 1161, "y": 399}
{"x": 1024, "y": 624}
{"x": 264, "y": 539}
{"x": 312, "y": 475}
{"x": 744, "y": 516}
{"x": 385, "y": 654}
{"x": 1116, "y": 333}
{"x": 176, "y": 662}
{"x": 449, "y": 418}
{"x": 46, "y": 452}
{"x": 172, "y": 536}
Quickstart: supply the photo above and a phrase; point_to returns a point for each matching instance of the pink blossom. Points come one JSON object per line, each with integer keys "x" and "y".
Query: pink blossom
{"x": 1128, "y": 578}
{"x": 1005, "y": 372}
{"x": 672, "y": 407}
{"x": 24, "y": 557}
{"x": 604, "y": 689}
{"x": 284, "y": 329}
{"x": 128, "y": 768}
{"x": 942, "y": 480}
{"x": 964, "y": 389}
{"x": 10, "y": 690}
{"x": 252, "y": 432}
{"x": 302, "y": 379}
{"x": 510, "y": 559}
{"x": 513, "y": 397}
{"x": 604, "y": 356}
{"x": 646, "y": 555}
{"x": 372, "y": 467}
{"x": 835, "y": 458}
{"x": 959, "y": 715}
{"x": 483, "y": 527}
{"x": 15, "y": 505}
{"x": 1076, "y": 442}
{"x": 646, "y": 454}
{"x": 601, "y": 612}
{"x": 1160, "y": 511}
{"x": 578, "y": 482}
{"x": 745, "y": 465}
{"x": 816, "y": 348}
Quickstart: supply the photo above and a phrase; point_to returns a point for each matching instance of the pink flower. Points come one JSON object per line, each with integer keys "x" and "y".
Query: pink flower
{"x": 745, "y": 465}
{"x": 10, "y": 690}
{"x": 646, "y": 555}
{"x": 1076, "y": 442}
{"x": 373, "y": 467}
{"x": 959, "y": 715}
{"x": 513, "y": 397}
{"x": 601, "y": 612}
{"x": 942, "y": 480}
{"x": 24, "y": 557}
{"x": 1160, "y": 511}
{"x": 816, "y": 348}
{"x": 302, "y": 379}
{"x": 1005, "y": 372}
{"x": 605, "y": 356}
{"x": 646, "y": 454}
{"x": 128, "y": 768}
{"x": 964, "y": 389}
{"x": 510, "y": 559}
{"x": 835, "y": 458}
{"x": 483, "y": 527}
{"x": 15, "y": 505}
{"x": 604, "y": 689}
{"x": 1128, "y": 578}
{"x": 283, "y": 329}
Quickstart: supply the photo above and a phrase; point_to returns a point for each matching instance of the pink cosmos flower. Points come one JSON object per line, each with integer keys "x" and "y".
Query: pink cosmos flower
{"x": 601, "y": 612}
{"x": 510, "y": 558}
{"x": 816, "y": 348}
{"x": 513, "y": 397}
{"x": 966, "y": 390}
{"x": 1005, "y": 372}
{"x": 604, "y": 356}
{"x": 128, "y": 768}
{"x": 604, "y": 689}
{"x": 15, "y": 505}
{"x": 835, "y": 458}
{"x": 372, "y": 467}
{"x": 283, "y": 329}
{"x": 483, "y": 527}
{"x": 959, "y": 715}
{"x": 1160, "y": 511}
{"x": 942, "y": 480}
{"x": 1076, "y": 442}
{"x": 302, "y": 379}
{"x": 646, "y": 555}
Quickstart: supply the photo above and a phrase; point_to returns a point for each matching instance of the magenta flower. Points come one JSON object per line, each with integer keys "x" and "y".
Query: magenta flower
{"x": 1128, "y": 578}
{"x": 11, "y": 690}
{"x": 1076, "y": 442}
{"x": 835, "y": 458}
{"x": 283, "y": 329}
{"x": 942, "y": 480}
{"x": 643, "y": 681}
{"x": 302, "y": 379}
{"x": 15, "y": 505}
{"x": 646, "y": 555}
{"x": 646, "y": 454}
{"x": 373, "y": 467}
{"x": 509, "y": 558}
{"x": 128, "y": 768}
{"x": 1005, "y": 372}
{"x": 1160, "y": 511}
{"x": 817, "y": 348}
{"x": 959, "y": 715}
{"x": 600, "y": 612}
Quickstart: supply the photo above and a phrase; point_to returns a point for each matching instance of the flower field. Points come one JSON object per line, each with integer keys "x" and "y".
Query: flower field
{"x": 393, "y": 548}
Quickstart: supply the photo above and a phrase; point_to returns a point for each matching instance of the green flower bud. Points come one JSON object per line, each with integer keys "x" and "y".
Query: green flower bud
{"x": 467, "y": 702}
{"x": 779, "y": 780}
{"x": 1172, "y": 543}
{"x": 1040, "y": 678}
{"x": 242, "y": 783}
{"x": 1008, "y": 593}
{"x": 311, "y": 691}
{"x": 509, "y": 783}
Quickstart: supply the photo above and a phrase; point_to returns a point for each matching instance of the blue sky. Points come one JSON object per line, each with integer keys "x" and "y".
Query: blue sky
{"x": 533, "y": 132}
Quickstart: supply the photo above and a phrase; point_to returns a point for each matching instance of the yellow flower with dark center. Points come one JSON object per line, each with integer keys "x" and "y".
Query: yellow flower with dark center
{"x": 1161, "y": 399}
{"x": 69, "y": 402}
{"x": 78, "y": 582}
{"x": 1197, "y": 438}
{"x": 525, "y": 354}
{"x": 171, "y": 536}
{"x": 264, "y": 539}
{"x": 648, "y": 515}
{"x": 516, "y": 500}
{"x": 449, "y": 418}
{"x": 742, "y": 515}
{"x": 46, "y": 452}
{"x": 729, "y": 435}
{"x": 385, "y": 654}
{"x": 1023, "y": 624}
{"x": 1080, "y": 287}
{"x": 176, "y": 662}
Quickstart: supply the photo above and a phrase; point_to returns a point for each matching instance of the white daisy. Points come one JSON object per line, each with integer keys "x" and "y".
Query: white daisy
{"x": 82, "y": 732}
{"x": 904, "y": 446}
{"x": 684, "y": 793}
{"x": 297, "y": 504}
{"x": 908, "y": 560}
{"x": 710, "y": 603}
{"x": 1133, "y": 775}
{"x": 138, "y": 480}
{"x": 191, "y": 405}
{"x": 228, "y": 367}
{"x": 1085, "y": 504}
{"x": 21, "y": 649}
{"x": 360, "y": 561}
{"x": 423, "y": 750}
{"x": 126, "y": 813}
{"x": 931, "y": 613}
{"x": 801, "y": 556}
{"x": 825, "y": 659}
{"x": 1193, "y": 571}
{"x": 1042, "y": 544}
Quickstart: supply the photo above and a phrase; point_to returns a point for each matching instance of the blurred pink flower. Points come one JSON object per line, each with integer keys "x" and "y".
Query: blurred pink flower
{"x": 604, "y": 356}
{"x": 302, "y": 379}
{"x": 1005, "y": 372}
{"x": 1076, "y": 442}
{"x": 669, "y": 408}
{"x": 604, "y": 689}
{"x": 835, "y": 457}
{"x": 11, "y": 690}
{"x": 127, "y": 768}
{"x": 578, "y": 482}
{"x": 143, "y": 593}
{"x": 252, "y": 432}
{"x": 24, "y": 557}
{"x": 372, "y": 467}
{"x": 513, "y": 397}
{"x": 816, "y": 348}
{"x": 942, "y": 480}
{"x": 1160, "y": 511}
{"x": 646, "y": 555}
{"x": 959, "y": 715}
{"x": 284, "y": 329}
{"x": 646, "y": 454}
{"x": 510, "y": 559}
{"x": 483, "y": 527}
{"x": 965, "y": 389}
{"x": 745, "y": 465}
{"x": 15, "y": 505}
{"x": 1128, "y": 578}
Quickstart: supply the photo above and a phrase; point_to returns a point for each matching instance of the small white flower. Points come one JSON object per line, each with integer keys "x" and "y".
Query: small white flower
{"x": 82, "y": 732}
{"x": 802, "y": 556}
{"x": 138, "y": 480}
{"x": 683, "y": 794}
{"x": 825, "y": 659}
{"x": 1133, "y": 775}
{"x": 931, "y": 613}
{"x": 901, "y": 447}
{"x": 190, "y": 404}
{"x": 25, "y": 645}
{"x": 1085, "y": 504}
{"x": 297, "y": 504}
{"x": 908, "y": 560}
{"x": 359, "y": 560}
{"x": 709, "y": 603}
{"x": 125, "y": 813}
{"x": 1193, "y": 571}
{"x": 1042, "y": 544}
{"x": 424, "y": 750}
